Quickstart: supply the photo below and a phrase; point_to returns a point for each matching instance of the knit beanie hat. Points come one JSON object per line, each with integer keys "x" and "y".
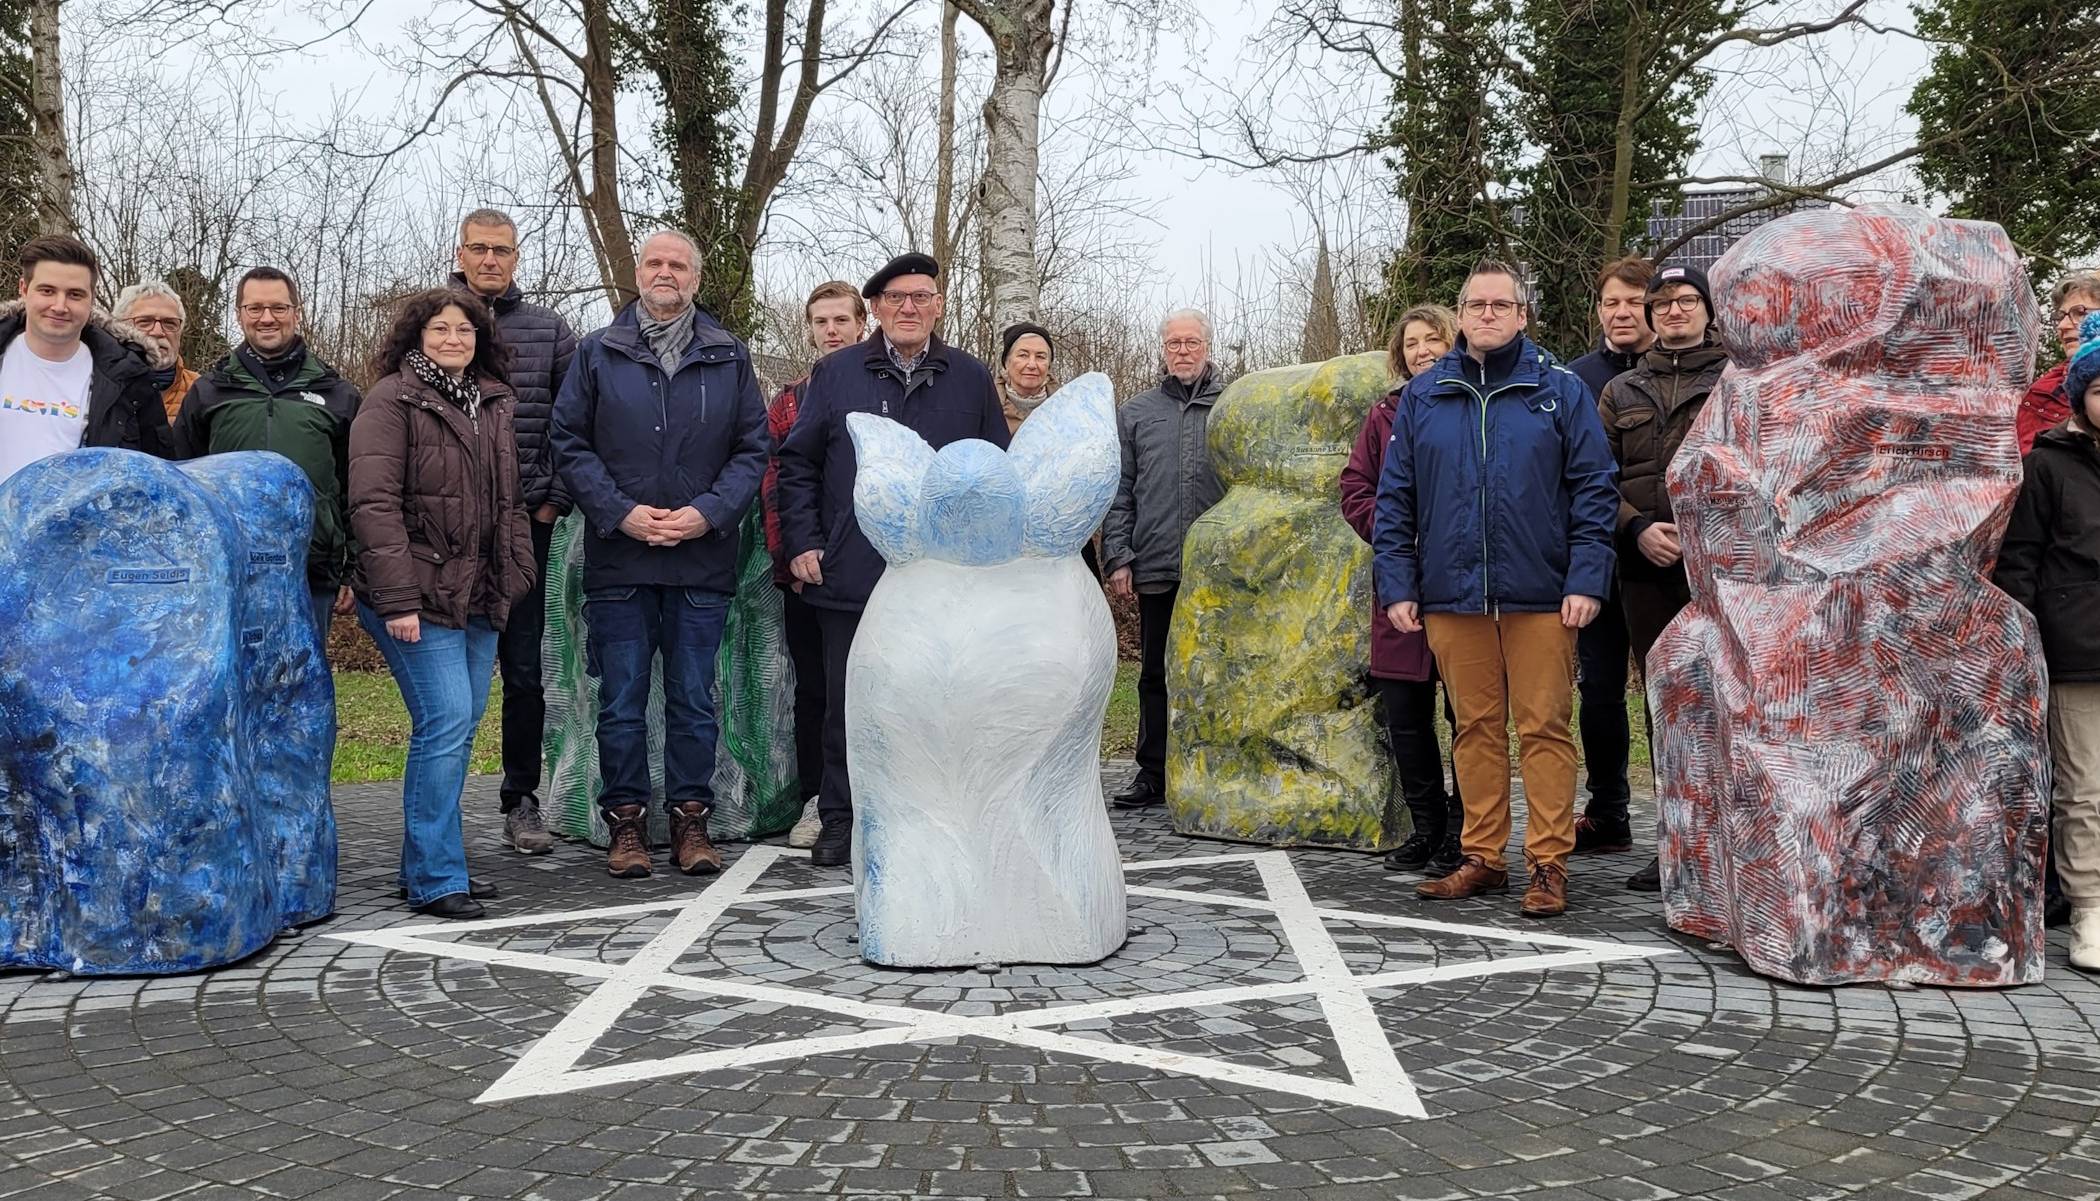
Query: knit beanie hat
{"x": 1019, "y": 330}
{"x": 2085, "y": 363}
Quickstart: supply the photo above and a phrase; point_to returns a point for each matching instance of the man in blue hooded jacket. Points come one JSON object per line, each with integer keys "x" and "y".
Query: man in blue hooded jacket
{"x": 1496, "y": 509}
{"x": 660, "y": 437}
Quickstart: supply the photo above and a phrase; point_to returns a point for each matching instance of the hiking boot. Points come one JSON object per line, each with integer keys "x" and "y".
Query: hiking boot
{"x": 1472, "y": 878}
{"x": 627, "y": 858}
{"x": 691, "y": 852}
{"x": 1548, "y": 894}
{"x": 1414, "y": 854}
{"x": 1648, "y": 879}
{"x": 1142, "y": 794}
{"x": 834, "y": 845}
{"x": 524, "y": 830}
{"x": 1449, "y": 855}
{"x": 804, "y": 835}
{"x": 1605, "y": 835}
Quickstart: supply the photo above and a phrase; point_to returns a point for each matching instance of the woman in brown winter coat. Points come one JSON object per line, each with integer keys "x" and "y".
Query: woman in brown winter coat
{"x": 444, "y": 551}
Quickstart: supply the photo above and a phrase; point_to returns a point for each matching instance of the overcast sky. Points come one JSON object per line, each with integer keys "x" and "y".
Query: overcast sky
{"x": 1843, "y": 98}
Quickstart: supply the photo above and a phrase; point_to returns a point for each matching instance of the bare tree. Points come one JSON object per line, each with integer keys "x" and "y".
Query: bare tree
{"x": 47, "y": 111}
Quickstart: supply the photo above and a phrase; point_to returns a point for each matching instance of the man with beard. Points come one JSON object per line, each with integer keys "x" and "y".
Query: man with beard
{"x": 153, "y": 309}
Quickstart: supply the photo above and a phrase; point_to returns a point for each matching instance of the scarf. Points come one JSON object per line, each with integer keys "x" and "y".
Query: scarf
{"x": 463, "y": 393}
{"x": 1020, "y": 404}
{"x": 275, "y": 371}
{"x": 667, "y": 338}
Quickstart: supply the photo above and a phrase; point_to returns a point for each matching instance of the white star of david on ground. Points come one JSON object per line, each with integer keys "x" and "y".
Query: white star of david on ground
{"x": 1376, "y": 1079}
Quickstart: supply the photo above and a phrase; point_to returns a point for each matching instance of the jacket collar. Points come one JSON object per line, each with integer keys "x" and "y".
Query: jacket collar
{"x": 1203, "y": 391}
{"x": 1527, "y": 367}
{"x": 625, "y": 335}
{"x": 1692, "y": 360}
{"x": 876, "y": 355}
{"x": 502, "y": 302}
{"x": 1621, "y": 360}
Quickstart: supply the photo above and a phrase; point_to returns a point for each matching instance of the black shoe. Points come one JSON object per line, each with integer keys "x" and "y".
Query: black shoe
{"x": 1448, "y": 857}
{"x": 2056, "y": 911}
{"x": 456, "y": 906}
{"x": 477, "y": 888}
{"x": 834, "y": 846}
{"x": 1414, "y": 854}
{"x": 1648, "y": 879}
{"x": 1608, "y": 834}
{"x": 1143, "y": 794}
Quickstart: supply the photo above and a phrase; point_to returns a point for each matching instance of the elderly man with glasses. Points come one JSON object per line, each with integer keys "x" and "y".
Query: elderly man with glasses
{"x": 1496, "y": 511}
{"x": 1168, "y": 482}
{"x": 907, "y": 374}
{"x": 153, "y": 309}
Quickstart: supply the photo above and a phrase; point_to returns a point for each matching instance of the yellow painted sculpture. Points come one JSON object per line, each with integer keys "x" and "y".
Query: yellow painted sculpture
{"x": 1275, "y": 737}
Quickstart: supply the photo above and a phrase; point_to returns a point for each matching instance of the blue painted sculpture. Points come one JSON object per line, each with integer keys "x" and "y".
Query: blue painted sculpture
{"x": 975, "y": 692}
{"x": 166, "y": 713}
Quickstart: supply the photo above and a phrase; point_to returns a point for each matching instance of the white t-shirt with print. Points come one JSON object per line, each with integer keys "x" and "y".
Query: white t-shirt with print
{"x": 43, "y": 405}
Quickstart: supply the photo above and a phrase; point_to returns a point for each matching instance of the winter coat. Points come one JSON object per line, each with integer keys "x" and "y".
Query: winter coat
{"x": 124, "y": 408}
{"x": 1495, "y": 496}
{"x": 2050, "y": 559}
{"x": 1646, "y": 413}
{"x": 1603, "y": 365}
{"x": 1394, "y": 655}
{"x": 780, "y": 418}
{"x": 627, "y": 433}
{"x": 305, "y": 417}
{"x": 179, "y": 387}
{"x": 434, "y": 503}
{"x": 2044, "y": 407}
{"x": 950, "y": 398}
{"x": 1168, "y": 478}
{"x": 541, "y": 346}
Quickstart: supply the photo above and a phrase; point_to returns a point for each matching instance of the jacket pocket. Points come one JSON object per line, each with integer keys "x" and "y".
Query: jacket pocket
{"x": 2069, "y": 616}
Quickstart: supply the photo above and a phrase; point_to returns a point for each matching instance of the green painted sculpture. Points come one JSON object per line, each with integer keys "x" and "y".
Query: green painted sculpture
{"x": 1274, "y": 736}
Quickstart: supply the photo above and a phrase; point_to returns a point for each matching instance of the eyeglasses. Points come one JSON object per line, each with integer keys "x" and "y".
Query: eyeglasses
{"x": 1480, "y": 308}
{"x": 2076, "y": 312}
{"x": 279, "y": 311}
{"x": 483, "y": 249}
{"x": 917, "y": 300}
{"x": 1186, "y": 344}
{"x": 1683, "y": 304}
{"x": 441, "y": 332}
{"x": 152, "y": 324}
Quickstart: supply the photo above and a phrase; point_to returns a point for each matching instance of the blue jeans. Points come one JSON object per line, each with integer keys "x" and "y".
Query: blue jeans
{"x": 444, "y": 680}
{"x": 628, "y": 628}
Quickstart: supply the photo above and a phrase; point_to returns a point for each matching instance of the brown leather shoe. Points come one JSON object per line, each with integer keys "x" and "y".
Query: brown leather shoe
{"x": 628, "y": 856}
{"x": 690, "y": 849}
{"x": 1548, "y": 894}
{"x": 1472, "y": 878}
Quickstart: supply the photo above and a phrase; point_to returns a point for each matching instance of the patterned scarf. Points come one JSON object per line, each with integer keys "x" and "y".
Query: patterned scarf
{"x": 464, "y": 393}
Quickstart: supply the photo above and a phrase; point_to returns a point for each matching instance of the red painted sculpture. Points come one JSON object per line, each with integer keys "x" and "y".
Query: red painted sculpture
{"x": 1851, "y": 757}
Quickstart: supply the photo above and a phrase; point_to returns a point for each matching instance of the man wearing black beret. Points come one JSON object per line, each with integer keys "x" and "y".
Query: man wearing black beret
{"x": 904, "y": 373}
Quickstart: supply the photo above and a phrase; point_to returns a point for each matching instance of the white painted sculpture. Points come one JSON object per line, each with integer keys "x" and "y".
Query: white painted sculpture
{"x": 975, "y": 693}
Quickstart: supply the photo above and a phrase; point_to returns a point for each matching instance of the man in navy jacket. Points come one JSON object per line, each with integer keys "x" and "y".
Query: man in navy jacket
{"x": 910, "y": 376}
{"x": 659, "y": 435}
{"x": 1496, "y": 510}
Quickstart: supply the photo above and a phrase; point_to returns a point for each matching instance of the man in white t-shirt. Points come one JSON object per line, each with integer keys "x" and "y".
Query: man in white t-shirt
{"x": 66, "y": 378}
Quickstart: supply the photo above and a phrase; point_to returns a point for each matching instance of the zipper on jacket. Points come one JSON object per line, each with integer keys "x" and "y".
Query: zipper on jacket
{"x": 1488, "y": 605}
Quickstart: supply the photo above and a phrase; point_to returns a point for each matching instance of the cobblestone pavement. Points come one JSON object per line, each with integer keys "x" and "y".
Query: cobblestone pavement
{"x": 1655, "y": 1068}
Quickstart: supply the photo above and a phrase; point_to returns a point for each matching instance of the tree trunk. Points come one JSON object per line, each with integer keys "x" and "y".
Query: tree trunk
{"x": 944, "y": 151}
{"x": 1622, "y": 149}
{"x": 1021, "y": 40}
{"x": 602, "y": 210}
{"x": 54, "y": 200}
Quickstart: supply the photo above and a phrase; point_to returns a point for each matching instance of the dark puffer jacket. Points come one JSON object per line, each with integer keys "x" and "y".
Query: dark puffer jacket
{"x": 2050, "y": 560}
{"x": 434, "y": 504}
{"x": 1646, "y": 414}
{"x": 124, "y": 409}
{"x": 541, "y": 346}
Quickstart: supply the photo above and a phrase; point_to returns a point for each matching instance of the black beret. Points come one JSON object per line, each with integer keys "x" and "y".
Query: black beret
{"x": 1019, "y": 330}
{"x": 912, "y": 263}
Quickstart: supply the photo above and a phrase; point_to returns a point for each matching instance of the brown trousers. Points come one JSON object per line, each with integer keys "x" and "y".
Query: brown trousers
{"x": 1517, "y": 666}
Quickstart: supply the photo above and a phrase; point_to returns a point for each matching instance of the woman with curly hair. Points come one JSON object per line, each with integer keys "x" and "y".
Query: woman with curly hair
{"x": 1401, "y": 667}
{"x": 444, "y": 551}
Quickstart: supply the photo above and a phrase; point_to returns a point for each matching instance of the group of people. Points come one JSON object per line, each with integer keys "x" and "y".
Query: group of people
{"x": 1524, "y": 547}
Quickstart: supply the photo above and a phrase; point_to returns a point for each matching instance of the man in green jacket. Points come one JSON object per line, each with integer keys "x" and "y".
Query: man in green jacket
{"x": 272, "y": 393}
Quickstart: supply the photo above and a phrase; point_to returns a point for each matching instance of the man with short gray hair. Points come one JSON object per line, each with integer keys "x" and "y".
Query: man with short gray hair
{"x": 152, "y": 308}
{"x": 1168, "y": 482}
{"x": 541, "y": 347}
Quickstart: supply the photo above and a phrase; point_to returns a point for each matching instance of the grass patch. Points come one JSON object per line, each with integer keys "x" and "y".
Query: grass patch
{"x": 372, "y": 727}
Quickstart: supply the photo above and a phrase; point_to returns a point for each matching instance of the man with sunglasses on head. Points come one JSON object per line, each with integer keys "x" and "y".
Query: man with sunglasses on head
{"x": 272, "y": 392}
{"x": 907, "y": 374}
{"x": 541, "y": 346}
